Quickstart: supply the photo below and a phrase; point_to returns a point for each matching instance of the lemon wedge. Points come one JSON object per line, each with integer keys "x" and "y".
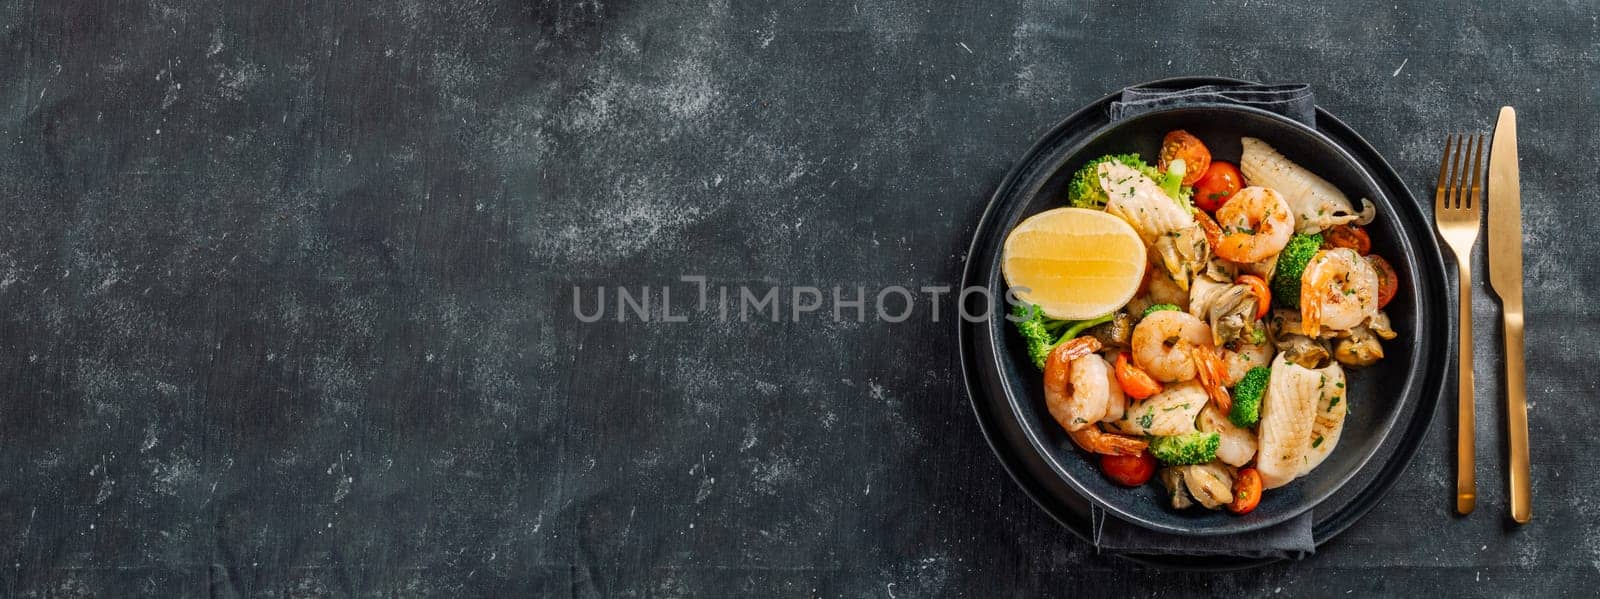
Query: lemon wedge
{"x": 1074, "y": 263}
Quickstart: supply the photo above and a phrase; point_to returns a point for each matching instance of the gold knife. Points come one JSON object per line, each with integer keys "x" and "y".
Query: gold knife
{"x": 1505, "y": 275}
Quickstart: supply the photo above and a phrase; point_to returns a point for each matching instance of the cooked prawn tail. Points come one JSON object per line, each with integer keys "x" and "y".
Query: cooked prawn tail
{"x": 1057, "y": 365}
{"x": 1212, "y": 230}
{"x": 1310, "y": 306}
{"x": 1094, "y": 440}
{"x": 1075, "y": 348}
{"x": 1212, "y": 371}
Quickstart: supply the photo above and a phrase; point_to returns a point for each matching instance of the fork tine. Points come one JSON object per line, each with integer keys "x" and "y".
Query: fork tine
{"x": 1474, "y": 200}
{"x": 1471, "y": 173}
{"x": 1466, "y": 167}
{"x": 1452, "y": 192}
{"x": 1464, "y": 177}
{"x": 1444, "y": 181}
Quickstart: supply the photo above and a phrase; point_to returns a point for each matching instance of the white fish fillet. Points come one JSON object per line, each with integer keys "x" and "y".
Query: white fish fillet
{"x": 1329, "y": 422}
{"x": 1316, "y": 203}
{"x": 1137, "y": 199}
{"x": 1288, "y": 414}
{"x": 1238, "y": 444}
{"x": 1170, "y": 412}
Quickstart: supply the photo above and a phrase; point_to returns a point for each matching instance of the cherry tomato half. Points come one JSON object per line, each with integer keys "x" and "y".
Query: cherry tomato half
{"x": 1246, "y": 491}
{"x": 1181, "y": 144}
{"x": 1134, "y": 381}
{"x": 1348, "y": 236}
{"x": 1217, "y": 185}
{"x": 1388, "y": 280}
{"x": 1129, "y": 470}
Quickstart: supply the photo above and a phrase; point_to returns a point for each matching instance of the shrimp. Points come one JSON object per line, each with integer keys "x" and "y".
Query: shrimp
{"x": 1091, "y": 382}
{"x": 1070, "y": 410}
{"x": 1094, "y": 440}
{"x": 1338, "y": 290}
{"x": 1090, "y": 397}
{"x": 1256, "y": 224}
{"x": 1161, "y": 344}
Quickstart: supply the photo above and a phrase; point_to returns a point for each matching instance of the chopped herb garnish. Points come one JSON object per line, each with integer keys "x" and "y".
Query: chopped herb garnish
{"x": 1316, "y": 442}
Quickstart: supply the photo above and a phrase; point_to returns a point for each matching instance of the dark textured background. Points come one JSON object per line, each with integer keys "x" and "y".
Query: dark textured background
{"x": 286, "y": 290}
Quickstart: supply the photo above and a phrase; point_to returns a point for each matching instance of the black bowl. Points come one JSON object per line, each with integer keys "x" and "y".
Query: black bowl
{"x": 1376, "y": 395}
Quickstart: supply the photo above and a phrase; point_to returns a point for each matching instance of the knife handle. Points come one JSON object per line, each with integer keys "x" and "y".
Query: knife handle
{"x": 1466, "y": 437}
{"x": 1517, "y": 419}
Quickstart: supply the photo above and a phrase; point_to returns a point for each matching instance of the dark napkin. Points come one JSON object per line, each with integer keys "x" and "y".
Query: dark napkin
{"x": 1291, "y": 100}
{"x": 1291, "y": 539}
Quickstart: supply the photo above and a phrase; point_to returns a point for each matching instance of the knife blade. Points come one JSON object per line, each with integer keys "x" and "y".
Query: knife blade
{"x": 1505, "y": 276}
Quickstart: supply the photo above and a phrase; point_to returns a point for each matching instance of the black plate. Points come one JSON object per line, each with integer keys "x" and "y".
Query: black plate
{"x": 1005, "y": 389}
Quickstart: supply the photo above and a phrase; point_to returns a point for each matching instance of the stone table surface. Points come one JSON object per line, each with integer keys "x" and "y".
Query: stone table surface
{"x": 288, "y": 291}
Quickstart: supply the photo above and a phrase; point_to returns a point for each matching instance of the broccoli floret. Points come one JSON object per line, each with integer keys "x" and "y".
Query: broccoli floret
{"x": 1183, "y": 450}
{"x": 1159, "y": 308}
{"x": 1040, "y": 331}
{"x": 1247, "y": 397}
{"x": 1291, "y": 264}
{"x": 1085, "y": 192}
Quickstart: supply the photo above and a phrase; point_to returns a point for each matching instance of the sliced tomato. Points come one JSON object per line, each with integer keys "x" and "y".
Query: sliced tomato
{"x": 1129, "y": 470}
{"x": 1246, "y": 491}
{"x": 1219, "y": 183}
{"x": 1388, "y": 280}
{"x": 1135, "y": 382}
{"x": 1348, "y": 236}
{"x": 1183, "y": 145}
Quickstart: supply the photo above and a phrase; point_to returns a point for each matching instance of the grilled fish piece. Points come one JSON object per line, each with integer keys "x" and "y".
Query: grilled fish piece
{"x": 1288, "y": 413}
{"x": 1237, "y": 444}
{"x": 1170, "y": 412}
{"x": 1316, "y": 203}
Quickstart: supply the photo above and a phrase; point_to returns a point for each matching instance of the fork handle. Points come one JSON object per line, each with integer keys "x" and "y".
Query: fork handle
{"x": 1466, "y": 476}
{"x": 1517, "y": 419}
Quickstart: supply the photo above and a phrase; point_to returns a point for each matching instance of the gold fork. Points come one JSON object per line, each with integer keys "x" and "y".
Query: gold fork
{"x": 1457, "y": 210}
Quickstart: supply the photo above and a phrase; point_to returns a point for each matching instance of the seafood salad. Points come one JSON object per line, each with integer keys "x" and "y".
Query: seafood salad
{"x": 1220, "y": 371}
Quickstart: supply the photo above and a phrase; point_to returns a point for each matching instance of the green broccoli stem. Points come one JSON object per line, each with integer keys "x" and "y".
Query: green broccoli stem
{"x": 1078, "y": 327}
{"x": 1172, "y": 180}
